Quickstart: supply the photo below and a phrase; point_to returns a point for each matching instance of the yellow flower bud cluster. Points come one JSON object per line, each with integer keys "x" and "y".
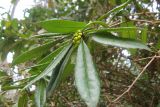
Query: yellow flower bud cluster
{"x": 77, "y": 37}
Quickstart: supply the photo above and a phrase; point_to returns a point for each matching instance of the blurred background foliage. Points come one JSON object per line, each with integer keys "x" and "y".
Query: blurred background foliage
{"x": 117, "y": 67}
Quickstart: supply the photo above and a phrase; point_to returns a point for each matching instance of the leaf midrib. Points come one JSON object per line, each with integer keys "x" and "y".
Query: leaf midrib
{"x": 86, "y": 74}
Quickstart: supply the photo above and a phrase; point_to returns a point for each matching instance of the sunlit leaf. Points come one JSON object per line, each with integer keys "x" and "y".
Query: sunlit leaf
{"x": 62, "y": 26}
{"x": 86, "y": 78}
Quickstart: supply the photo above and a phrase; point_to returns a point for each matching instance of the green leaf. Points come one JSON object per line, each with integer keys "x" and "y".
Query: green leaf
{"x": 23, "y": 100}
{"x": 49, "y": 35}
{"x": 11, "y": 87}
{"x": 129, "y": 33}
{"x": 144, "y": 35}
{"x": 62, "y": 26}
{"x": 118, "y": 29}
{"x": 49, "y": 57}
{"x": 50, "y": 67}
{"x": 115, "y": 10}
{"x": 2, "y": 73}
{"x": 35, "y": 52}
{"x": 109, "y": 39}
{"x": 70, "y": 65}
{"x": 42, "y": 64}
{"x": 86, "y": 78}
{"x": 40, "y": 93}
{"x": 58, "y": 73}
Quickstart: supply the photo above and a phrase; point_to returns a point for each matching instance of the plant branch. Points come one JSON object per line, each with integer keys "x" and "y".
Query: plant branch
{"x": 146, "y": 58}
{"x": 129, "y": 88}
{"x": 147, "y": 21}
{"x": 14, "y": 8}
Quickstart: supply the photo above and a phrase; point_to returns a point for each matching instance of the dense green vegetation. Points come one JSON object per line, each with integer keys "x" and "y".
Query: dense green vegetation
{"x": 93, "y": 53}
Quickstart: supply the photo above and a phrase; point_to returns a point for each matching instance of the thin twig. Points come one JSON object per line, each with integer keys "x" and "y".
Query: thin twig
{"x": 129, "y": 88}
{"x": 147, "y": 21}
{"x": 146, "y": 58}
{"x": 145, "y": 13}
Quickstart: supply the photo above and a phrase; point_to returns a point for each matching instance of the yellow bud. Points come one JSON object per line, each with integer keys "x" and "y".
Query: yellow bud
{"x": 79, "y": 37}
{"x": 77, "y": 42}
{"x": 75, "y": 38}
{"x": 74, "y": 41}
{"x": 80, "y": 33}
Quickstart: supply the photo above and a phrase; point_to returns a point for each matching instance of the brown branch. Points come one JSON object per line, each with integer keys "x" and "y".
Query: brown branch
{"x": 129, "y": 88}
{"x": 146, "y": 58}
{"x": 147, "y": 21}
{"x": 144, "y": 13}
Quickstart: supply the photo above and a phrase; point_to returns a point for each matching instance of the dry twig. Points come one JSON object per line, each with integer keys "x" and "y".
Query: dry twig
{"x": 129, "y": 88}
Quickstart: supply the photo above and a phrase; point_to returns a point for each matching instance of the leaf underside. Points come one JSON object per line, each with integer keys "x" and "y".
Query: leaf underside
{"x": 86, "y": 78}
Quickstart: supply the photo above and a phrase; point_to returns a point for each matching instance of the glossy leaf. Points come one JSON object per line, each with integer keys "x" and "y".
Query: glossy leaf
{"x": 51, "y": 66}
{"x": 35, "y": 52}
{"x": 40, "y": 93}
{"x": 86, "y": 78}
{"x": 57, "y": 73}
{"x": 62, "y": 26}
{"x": 109, "y": 39}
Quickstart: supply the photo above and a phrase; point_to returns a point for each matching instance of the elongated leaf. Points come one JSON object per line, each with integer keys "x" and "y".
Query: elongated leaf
{"x": 118, "y": 29}
{"x": 144, "y": 35}
{"x": 62, "y": 26}
{"x": 10, "y": 87}
{"x": 23, "y": 100}
{"x": 40, "y": 94}
{"x": 49, "y": 57}
{"x": 109, "y": 39}
{"x": 129, "y": 33}
{"x": 115, "y": 10}
{"x": 70, "y": 65}
{"x": 28, "y": 55}
{"x": 86, "y": 78}
{"x": 42, "y": 64}
{"x": 51, "y": 66}
{"x": 48, "y": 35}
{"x": 57, "y": 73}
